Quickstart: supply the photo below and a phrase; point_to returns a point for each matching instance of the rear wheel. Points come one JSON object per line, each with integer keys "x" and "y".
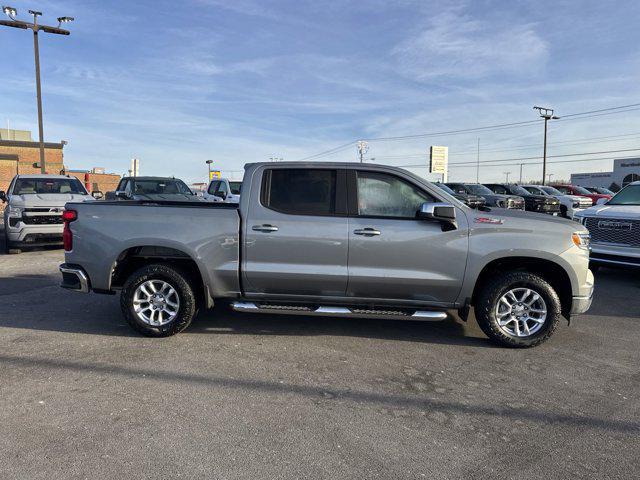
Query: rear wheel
{"x": 518, "y": 309}
{"x": 158, "y": 301}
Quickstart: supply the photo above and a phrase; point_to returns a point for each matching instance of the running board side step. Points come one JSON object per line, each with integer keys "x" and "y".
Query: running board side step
{"x": 334, "y": 311}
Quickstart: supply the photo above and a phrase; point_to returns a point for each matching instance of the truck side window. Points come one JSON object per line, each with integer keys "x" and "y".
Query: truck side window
{"x": 222, "y": 187}
{"x": 300, "y": 191}
{"x": 383, "y": 195}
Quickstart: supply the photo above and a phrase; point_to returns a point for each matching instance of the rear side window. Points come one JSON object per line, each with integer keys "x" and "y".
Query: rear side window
{"x": 213, "y": 187}
{"x": 300, "y": 191}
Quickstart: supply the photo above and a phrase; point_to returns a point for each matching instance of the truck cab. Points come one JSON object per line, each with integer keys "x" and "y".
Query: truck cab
{"x": 223, "y": 190}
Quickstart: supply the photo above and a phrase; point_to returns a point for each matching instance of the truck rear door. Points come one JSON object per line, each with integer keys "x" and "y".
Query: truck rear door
{"x": 296, "y": 232}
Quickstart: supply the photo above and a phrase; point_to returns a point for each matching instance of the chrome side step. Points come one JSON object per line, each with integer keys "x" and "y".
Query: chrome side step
{"x": 335, "y": 311}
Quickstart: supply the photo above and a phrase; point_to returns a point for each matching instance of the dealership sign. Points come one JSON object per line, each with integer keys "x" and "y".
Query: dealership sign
{"x": 439, "y": 159}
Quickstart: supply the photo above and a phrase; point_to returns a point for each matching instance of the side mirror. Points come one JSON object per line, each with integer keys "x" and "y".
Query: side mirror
{"x": 97, "y": 194}
{"x": 122, "y": 195}
{"x": 221, "y": 195}
{"x": 601, "y": 201}
{"x": 3, "y": 196}
{"x": 444, "y": 212}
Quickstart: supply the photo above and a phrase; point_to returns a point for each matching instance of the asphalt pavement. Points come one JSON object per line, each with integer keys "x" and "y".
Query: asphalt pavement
{"x": 241, "y": 396}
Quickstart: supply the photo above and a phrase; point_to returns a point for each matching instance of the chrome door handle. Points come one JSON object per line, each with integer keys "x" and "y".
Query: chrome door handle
{"x": 367, "y": 232}
{"x": 264, "y": 228}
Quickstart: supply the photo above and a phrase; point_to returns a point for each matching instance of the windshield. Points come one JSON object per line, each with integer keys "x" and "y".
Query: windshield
{"x": 518, "y": 190}
{"x": 630, "y": 195}
{"x": 446, "y": 188}
{"x": 604, "y": 191}
{"x": 160, "y": 187}
{"x": 27, "y": 186}
{"x": 582, "y": 191}
{"x": 478, "y": 189}
{"x": 551, "y": 190}
{"x": 236, "y": 187}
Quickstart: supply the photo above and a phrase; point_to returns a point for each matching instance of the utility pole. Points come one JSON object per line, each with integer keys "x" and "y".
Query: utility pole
{"x": 36, "y": 28}
{"x": 547, "y": 114}
{"x": 507, "y": 174}
{"x": 521, "y": 165}
{"x": 363, "y": 148}
{"x": 478, "y": 163}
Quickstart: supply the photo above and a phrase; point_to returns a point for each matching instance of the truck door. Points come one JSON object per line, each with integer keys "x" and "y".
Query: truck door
{"x": 296, "y": 232}
{"x": 393, "y": 255}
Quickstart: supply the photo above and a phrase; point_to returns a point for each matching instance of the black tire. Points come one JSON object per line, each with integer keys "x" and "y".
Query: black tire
{"x": 8, "y": 249}
{"x": 489, "y": 296}
{"x": 179, "y": 280}
{"x": 563, "y": 211}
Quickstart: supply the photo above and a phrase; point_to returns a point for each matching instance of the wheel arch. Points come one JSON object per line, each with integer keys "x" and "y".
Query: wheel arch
{"x": 135, "y": 257}
{"x": 551, "y": 271}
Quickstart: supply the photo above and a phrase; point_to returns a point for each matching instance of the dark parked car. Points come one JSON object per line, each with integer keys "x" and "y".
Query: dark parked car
{"x": 152, "y": 188}
{"x": 532, "y": 203}
{"x": 470, "y": 200}
{"x": 492, "y": 199}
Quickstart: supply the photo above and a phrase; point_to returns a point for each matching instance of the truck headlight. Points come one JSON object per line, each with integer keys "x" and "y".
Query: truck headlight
{"x": 581, "y": 240}
{"x": 15, "y": 212}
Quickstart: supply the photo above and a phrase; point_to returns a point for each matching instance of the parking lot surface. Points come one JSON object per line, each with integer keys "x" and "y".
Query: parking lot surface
{"x": 252, "y": 396}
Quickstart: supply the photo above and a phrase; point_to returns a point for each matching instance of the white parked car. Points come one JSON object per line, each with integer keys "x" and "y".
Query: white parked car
{"x": 223, "y": 190}
{"x": 570, "y": 205}
{"x": 614, "y": 226}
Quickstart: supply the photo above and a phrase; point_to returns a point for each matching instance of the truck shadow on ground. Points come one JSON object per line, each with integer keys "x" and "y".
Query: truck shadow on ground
{"x": 49, "y": 308}
{"x": 223, "y": 321}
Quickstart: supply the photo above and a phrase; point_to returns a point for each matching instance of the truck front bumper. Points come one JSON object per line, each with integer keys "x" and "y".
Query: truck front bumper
{"x": 74, "y": 278}
{"x": 34, "y": 235}
{"x": 582, "y": 303}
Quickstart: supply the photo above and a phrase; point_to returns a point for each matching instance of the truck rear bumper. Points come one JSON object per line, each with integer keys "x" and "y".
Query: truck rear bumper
{"x": 74, "y": 278}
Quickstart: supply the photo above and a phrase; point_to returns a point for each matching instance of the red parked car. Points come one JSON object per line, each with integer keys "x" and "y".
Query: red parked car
{"x": 581, "y": 192}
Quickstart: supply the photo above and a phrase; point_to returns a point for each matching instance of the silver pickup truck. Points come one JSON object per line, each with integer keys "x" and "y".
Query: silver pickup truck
{"x": 333, "y": 239}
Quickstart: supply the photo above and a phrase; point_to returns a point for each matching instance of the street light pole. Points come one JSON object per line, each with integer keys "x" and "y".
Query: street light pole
{"x": 547, "y": 114}
{"x": 507, "y": 175}
{"x": 209, "y": 162}
{"x": 35, "y": 27}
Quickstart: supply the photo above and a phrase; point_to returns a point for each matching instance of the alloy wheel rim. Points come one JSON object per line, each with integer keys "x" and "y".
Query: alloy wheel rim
{"x": 521, "y": 312}
{"x": 156, "y": 302}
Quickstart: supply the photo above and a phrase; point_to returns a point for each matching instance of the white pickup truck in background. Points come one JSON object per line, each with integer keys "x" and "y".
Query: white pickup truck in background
{"x": 223, "y": 190}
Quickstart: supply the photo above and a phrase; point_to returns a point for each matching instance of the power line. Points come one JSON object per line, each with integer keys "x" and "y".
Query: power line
{"x": 421, "y": 165}
{"x": 569, "y": 117}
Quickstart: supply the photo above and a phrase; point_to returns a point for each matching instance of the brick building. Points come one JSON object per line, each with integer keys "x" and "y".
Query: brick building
{"x": 19, "y": 153}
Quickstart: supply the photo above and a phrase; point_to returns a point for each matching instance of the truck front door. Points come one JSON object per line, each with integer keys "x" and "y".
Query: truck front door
{"x": 296, "y": 232}
{"x": 392, "y": 254}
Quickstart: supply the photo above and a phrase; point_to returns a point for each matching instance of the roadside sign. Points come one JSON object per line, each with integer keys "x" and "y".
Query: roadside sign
{"x": 214, "y": 175}
{"x": 439, "y": 159}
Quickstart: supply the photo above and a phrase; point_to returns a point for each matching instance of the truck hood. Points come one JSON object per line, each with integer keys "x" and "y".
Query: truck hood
{"x": 31, "y": 200}
{"x": 519, "y": 219}
{"x": 613, "y": 211}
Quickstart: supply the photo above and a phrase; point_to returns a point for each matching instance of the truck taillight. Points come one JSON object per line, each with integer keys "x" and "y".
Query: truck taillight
{"x": 67, "y": 236}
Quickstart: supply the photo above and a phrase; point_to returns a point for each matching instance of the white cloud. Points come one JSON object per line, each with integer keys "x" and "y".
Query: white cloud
{"x": 458, "y": 46}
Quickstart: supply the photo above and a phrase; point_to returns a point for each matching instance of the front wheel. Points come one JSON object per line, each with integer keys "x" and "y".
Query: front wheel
{"x": 158, "y": 301}
{"x": 518, "y": 309}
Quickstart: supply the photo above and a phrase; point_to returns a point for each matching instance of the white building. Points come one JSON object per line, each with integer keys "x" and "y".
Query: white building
{"x": 625, "y": 170}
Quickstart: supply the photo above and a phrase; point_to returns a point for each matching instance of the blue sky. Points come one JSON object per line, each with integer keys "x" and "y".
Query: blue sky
{"x": 175, "y": 83}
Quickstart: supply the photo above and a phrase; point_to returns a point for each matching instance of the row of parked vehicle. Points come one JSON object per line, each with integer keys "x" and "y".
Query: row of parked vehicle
{"x": 563, "y": 200}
